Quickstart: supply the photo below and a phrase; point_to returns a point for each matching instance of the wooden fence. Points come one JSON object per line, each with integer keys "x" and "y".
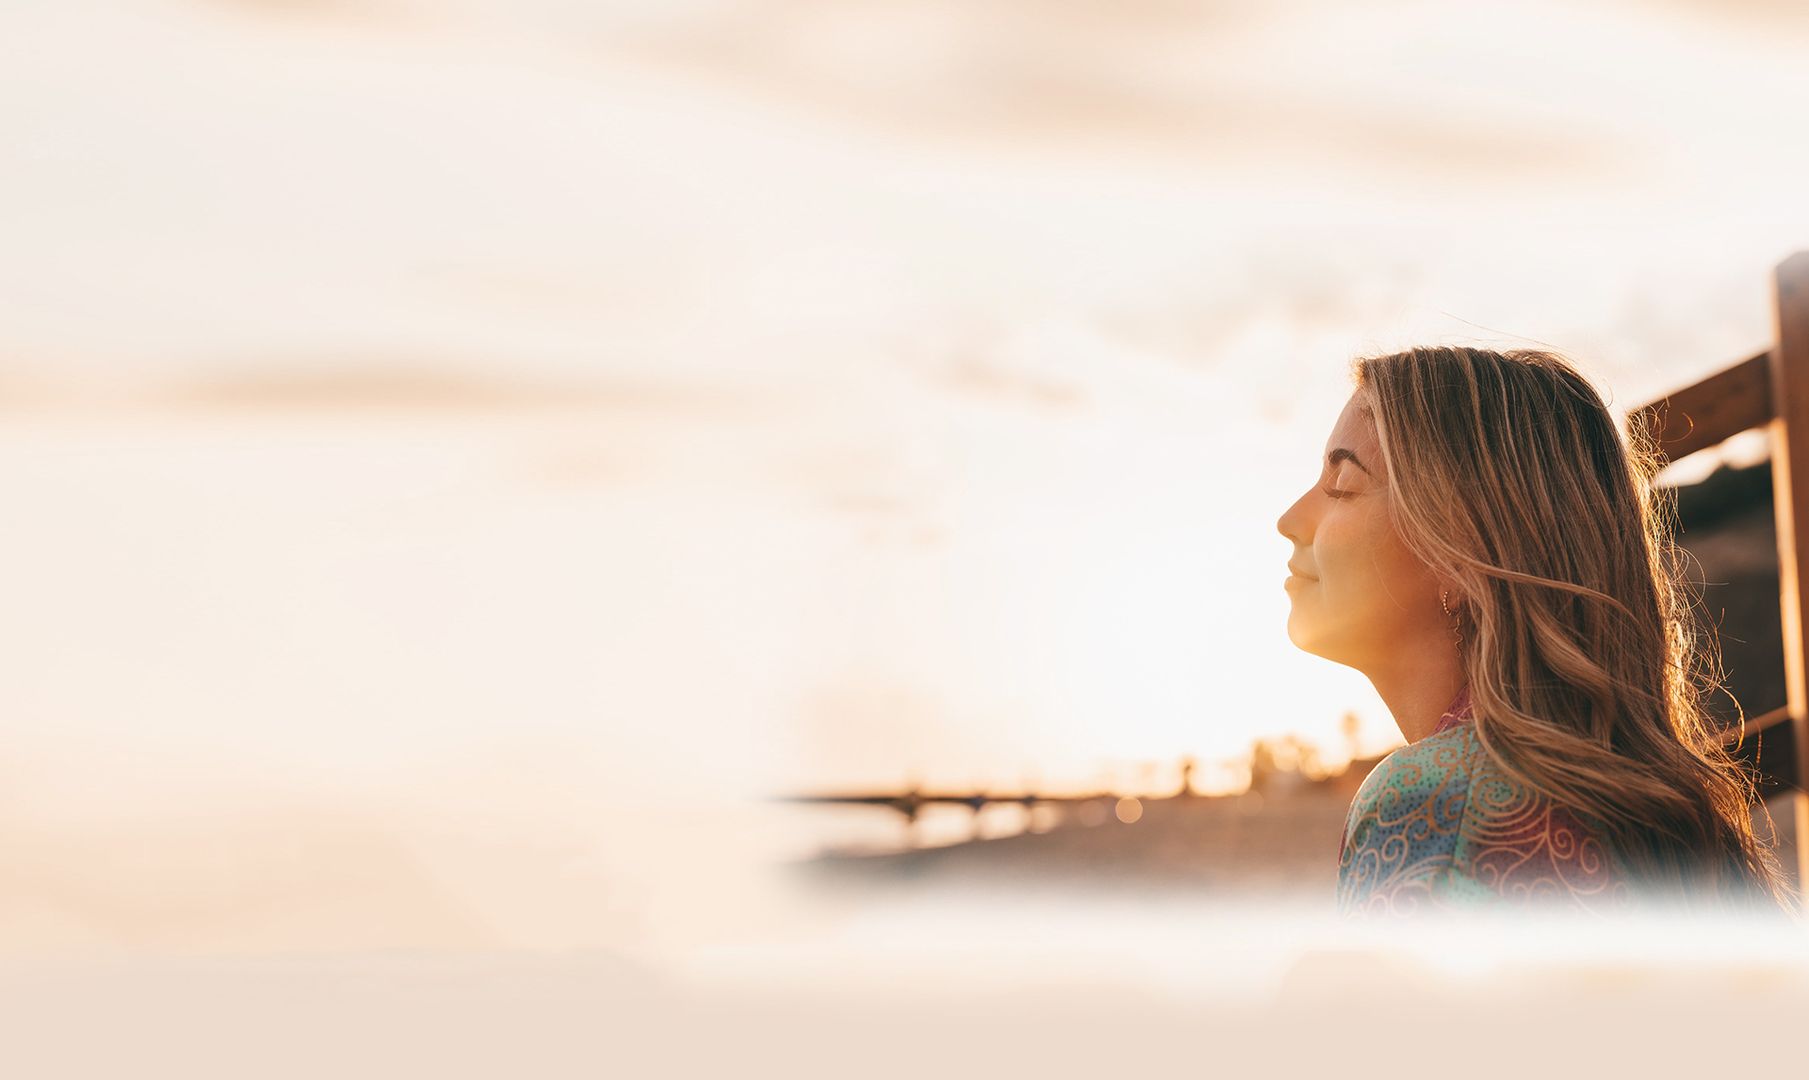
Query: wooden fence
{"x": 1770, "y": 391}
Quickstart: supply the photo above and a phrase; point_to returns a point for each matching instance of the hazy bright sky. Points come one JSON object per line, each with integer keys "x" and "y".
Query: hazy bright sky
{"x": 439, "y": 430}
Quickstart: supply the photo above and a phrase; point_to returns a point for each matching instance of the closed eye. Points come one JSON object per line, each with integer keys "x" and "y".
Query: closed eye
{"x": 1336, "y": 494}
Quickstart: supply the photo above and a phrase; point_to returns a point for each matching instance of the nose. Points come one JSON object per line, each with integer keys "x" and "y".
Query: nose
{"x": 1291, "y": 521}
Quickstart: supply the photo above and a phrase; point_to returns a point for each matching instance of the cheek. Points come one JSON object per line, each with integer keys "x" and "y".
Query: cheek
{"x": 1358, "y": 555}
{"x": 1345, "y": 549}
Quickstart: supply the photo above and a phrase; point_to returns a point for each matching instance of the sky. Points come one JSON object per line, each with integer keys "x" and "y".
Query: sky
{"x": 461, "y": 452}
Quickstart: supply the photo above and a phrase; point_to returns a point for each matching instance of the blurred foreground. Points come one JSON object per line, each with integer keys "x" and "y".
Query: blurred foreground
{"x": 972, "y": 986}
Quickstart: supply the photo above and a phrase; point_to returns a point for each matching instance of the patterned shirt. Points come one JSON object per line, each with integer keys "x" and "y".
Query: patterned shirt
{"x": 1437, "y": 825}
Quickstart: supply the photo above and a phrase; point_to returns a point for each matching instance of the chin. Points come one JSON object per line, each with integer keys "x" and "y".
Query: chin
{"x": 1316, "y": 645}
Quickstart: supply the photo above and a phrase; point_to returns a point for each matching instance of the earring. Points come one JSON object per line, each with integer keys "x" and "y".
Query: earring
{"x": 1456, "y": 637}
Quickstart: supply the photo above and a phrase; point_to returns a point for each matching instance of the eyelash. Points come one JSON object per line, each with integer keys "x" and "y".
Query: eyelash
{"x": 1337, "y": 494}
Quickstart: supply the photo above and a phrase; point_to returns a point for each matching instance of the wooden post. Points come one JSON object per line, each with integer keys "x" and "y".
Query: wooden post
{"x": 1790, "y": 500}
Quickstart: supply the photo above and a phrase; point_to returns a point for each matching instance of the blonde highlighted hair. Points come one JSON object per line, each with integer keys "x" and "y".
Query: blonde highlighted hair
{"x": 1509, "y": 478}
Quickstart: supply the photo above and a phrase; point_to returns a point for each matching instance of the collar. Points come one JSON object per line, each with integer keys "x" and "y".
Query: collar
{"x": 1455, "y": 713}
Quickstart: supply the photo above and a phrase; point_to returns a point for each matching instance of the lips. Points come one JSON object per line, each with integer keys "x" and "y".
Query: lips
{"x": 1299, "y": 574}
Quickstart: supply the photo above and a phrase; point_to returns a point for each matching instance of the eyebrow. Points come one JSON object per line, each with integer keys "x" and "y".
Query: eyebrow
{"x": 1332, "y": 459}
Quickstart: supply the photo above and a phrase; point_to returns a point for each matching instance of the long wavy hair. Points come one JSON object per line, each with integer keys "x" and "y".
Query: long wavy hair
{"x": 1587, "y": 672}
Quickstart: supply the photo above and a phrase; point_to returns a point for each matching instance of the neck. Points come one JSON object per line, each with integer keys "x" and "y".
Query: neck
{"x": 1417, "y": 688}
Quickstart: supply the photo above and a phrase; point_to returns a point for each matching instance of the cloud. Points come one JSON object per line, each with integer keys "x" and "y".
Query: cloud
{"x": 980, "y": 378}
{"x": 1155, "y": 79}
{"x": 387, "y": 386}
{"x": 1769, "y": 16}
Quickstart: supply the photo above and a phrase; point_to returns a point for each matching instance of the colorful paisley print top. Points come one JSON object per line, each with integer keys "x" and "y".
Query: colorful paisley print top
{"x": 1437, "y": 826}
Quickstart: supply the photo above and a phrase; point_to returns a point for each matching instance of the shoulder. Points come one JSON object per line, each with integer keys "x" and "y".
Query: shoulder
{"x": 1402, "y": 832}
{"x": 1436, "y": 770}
{"x": 1519, "y": 844}
{"x": 1438, "y": 822}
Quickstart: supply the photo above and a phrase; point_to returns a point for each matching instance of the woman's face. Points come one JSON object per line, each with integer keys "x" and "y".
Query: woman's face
{"x": 1359, "y": 597}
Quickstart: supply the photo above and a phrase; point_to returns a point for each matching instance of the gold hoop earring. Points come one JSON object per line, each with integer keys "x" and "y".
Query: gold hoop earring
{"x": 1457, "y": 637}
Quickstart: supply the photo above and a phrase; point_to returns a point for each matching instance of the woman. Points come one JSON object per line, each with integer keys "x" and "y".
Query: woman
{"x": 1486, "y": 549}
